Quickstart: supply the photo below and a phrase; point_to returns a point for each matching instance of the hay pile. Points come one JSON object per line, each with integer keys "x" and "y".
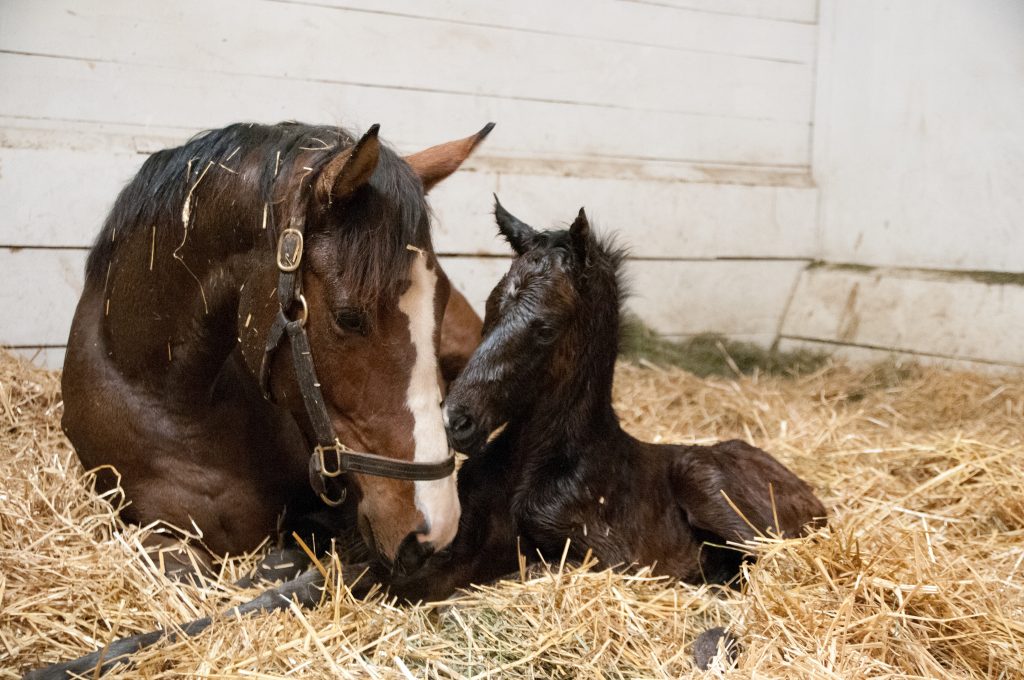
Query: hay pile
{"x": 921, "y": 573}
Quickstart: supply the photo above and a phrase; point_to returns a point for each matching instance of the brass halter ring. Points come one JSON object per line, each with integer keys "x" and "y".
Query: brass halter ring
{"x": 338, "y": 448}
{"x": 304, "y": 315}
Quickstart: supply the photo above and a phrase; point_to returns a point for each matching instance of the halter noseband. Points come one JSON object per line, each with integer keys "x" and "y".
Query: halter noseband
{"x": 289, "y": 293}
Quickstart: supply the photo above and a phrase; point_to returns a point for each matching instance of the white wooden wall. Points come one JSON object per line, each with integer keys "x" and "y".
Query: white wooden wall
{"x": 919, "y": 158}
{"x": 688, "y": 126}
{"x": 683, "y": 124}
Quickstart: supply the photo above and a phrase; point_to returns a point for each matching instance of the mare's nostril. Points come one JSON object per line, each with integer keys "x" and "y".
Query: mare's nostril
{"x": 413, "y": 553}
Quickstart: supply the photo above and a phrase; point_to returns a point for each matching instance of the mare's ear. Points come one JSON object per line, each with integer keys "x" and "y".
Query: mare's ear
{"x": 434, "y": 164}
{"x": 519, "y": 235}
{"x": 343, "y": 174}
{"x": 579, "y": 236}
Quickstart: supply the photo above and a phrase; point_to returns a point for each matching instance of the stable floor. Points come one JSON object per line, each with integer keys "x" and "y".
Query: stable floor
{"x": 920, "y": 573}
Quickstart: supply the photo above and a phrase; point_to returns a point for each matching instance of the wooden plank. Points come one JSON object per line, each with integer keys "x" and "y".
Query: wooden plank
{"x": 942, "y": 314}
{"x": 676, "y": 298}
{"x": 39, "y": 290}
{"x": 653, "y": 219}
{"x": 735, "y": 298}
{"x": 63, "y": 89}
{"x": 475, "y": 276}
{"x": 349, "y": 47}
{"x": 732, "y": 297}
{"x": 615, "y": 21}
{"x": 60, "y": 197}
{"x": 47, "y": 357}
{"x": 804, "y": 11}
{"x": 857, "y": 355}
{"x": 77, "y": 135}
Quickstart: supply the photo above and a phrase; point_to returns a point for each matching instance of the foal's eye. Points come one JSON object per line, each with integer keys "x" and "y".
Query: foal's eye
{"x": 545, "y": 333}
{"x": 351, "y": 320}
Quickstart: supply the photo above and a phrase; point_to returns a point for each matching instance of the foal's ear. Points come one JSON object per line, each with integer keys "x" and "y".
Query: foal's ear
{"x": 579, "y": 235}
{"x": 518, "y": 234}
{"x": 343, "y": 174}
{"x": 434, "y": 164}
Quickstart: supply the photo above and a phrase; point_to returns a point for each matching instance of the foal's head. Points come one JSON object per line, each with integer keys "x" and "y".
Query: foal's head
{"x": 550, "y": 333}
{"x": 376, "y": 295}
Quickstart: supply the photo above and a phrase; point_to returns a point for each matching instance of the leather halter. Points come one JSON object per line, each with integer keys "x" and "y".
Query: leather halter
{"x": 321, "y": 476}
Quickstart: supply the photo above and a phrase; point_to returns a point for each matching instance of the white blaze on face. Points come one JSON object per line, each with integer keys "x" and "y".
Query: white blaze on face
{"x": 438, "y": 500}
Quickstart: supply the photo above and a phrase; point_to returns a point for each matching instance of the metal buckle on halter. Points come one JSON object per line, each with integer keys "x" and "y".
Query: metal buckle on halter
{"x": 337, "y": 447}
{"x": 289, "y": 250}
{"x": 338, "y": 470}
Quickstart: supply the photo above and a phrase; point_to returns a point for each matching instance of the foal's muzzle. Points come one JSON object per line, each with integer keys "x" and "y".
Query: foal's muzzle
{"x": 464, "y": 432}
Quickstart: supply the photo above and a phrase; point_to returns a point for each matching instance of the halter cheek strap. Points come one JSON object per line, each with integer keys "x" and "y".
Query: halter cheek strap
{"x": 324, "y": 478}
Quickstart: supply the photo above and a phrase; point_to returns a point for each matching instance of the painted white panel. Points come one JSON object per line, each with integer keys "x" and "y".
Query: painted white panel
{"x": 912, "y": 311}
{"x": 63, "y": 89}
{"x": 47, "y": 357}
{"x": 855, "y": 354}
{"x": 733, "y": 297}
{"x": 327, "y": 45}
{"x": 787, "y": 10}
{"x": 919, "y": 145}
{"x": 737, "y": 298}
{"x": 39, "y": 290}
{"x": 652, "y": 218}
{"x": 475, "y": 276}
{"x": 618, "y": 21}
{"x": 40, "y": 133}
{"x": 59, "y": 197}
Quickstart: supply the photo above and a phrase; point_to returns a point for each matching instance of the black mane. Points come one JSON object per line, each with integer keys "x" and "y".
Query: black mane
{"x": 245, "y": 166}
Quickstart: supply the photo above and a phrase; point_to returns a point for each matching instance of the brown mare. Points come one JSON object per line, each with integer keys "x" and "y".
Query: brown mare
{"x": 184, "y": 328}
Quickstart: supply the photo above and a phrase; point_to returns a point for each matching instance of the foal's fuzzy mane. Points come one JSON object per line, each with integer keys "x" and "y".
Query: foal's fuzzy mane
{"x": 605, "y": 267}
{"x": 607, "y": 270}
{"x": 248, "y": 166}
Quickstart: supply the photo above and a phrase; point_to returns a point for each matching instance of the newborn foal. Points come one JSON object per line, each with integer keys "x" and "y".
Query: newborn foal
{"x": 560, "y": 466}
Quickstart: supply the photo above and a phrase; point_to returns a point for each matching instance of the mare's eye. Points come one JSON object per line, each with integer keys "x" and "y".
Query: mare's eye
{"x": 351, "y": 320}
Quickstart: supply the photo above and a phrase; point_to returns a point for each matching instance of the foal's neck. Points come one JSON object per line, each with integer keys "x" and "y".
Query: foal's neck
{"x": 573, "y": 418}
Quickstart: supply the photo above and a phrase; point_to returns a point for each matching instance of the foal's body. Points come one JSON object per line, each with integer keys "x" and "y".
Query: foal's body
{"x": 630, "y": 503}
{"x": 563, "y": 468}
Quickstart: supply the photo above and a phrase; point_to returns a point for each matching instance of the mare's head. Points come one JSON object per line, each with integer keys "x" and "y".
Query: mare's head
{"x": 376, "y": 295}
{"x": 550, "y": 333}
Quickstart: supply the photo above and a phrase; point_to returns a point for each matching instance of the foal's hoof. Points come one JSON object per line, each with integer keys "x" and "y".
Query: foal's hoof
{"x": 711, "y": 643}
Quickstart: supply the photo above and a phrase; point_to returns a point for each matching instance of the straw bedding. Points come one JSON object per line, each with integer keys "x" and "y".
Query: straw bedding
{"x": 920, "y": 573}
